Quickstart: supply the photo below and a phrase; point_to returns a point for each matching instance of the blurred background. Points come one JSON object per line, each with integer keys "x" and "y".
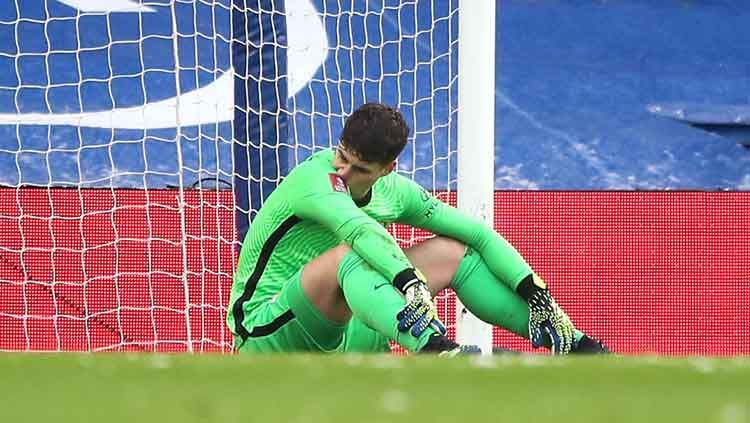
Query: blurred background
{"x": 590, "y": 94}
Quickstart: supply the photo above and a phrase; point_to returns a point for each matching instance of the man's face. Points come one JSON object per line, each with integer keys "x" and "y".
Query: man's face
{"x": 358, "y": 174}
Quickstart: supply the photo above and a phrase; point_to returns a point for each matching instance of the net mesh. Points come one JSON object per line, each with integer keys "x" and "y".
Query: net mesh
{"x": 117, "y": 129}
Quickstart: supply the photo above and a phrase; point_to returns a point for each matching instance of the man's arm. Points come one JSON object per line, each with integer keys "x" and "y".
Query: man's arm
{"x": 545, "y": 316}
{"x": 319, "y": 196}
{"x": 425, "y": 211}
{"x": 322, "y": 198}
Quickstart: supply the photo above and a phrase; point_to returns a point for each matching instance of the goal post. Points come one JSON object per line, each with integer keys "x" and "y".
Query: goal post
{"x": 476, "y": 137}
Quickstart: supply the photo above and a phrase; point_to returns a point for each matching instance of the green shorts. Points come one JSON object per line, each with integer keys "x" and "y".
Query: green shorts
{"x": 289, "y": 322}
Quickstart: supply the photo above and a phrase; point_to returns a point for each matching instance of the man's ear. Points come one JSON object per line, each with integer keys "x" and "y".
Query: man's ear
{"x": 390, "y": 168}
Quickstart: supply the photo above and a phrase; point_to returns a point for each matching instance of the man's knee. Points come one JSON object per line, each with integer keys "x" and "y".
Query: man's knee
{"x": 441, "y": 249}
{"x": 320, "y": 284}
{"x": 325, "y": 266}
{"x": 449, "y": 247}
{"x": 438, "y": 258}
{"x": 339, "y": 252}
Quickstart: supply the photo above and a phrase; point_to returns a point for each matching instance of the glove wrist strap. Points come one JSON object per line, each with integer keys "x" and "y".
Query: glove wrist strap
{"x": 527, "y": 288}
{"x": 405, "y": 278}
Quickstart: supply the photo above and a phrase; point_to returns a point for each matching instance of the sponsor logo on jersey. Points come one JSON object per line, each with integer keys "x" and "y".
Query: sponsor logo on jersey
{"x": 338, "y": 183}
{"x": 431, "y": 203}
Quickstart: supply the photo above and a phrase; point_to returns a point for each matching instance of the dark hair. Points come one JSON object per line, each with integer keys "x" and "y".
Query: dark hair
{"x": 375, "y": 133}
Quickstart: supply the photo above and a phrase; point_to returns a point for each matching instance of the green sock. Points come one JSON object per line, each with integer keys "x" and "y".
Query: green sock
{"x": 375, "y": 301}
{"x": 492, "y": 300}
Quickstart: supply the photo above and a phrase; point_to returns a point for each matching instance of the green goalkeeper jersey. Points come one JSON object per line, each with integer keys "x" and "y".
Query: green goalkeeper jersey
{"x": 311, "y": 211}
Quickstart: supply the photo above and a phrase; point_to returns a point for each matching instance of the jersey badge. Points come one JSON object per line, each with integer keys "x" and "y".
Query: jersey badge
{"x": 338, "y": 183}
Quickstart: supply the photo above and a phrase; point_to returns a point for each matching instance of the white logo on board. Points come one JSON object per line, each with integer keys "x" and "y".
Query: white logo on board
{"x": 307, "y": 50}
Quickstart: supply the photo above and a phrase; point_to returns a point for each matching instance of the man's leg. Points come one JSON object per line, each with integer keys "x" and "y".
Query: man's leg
{"x": 493, "y": 300}
{"x": 322, "y": 289}
{"x": 448, "y": 263}
{"x": 322, "y": 295}
{"x": 488, "y": 298}
{"x": 339, "y": 283}
{"x": 438, "y": 259}
{"x": 360, "y": 338}
{"x": 289, "y": 322}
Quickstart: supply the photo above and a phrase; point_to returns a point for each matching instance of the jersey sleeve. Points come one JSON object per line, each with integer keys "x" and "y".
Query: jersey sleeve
{"x": 424, "y": 211}
{"x": 322, "y": 196}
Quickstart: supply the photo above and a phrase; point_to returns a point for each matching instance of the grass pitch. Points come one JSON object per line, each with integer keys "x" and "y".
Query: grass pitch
{"x": 63, "y": 388}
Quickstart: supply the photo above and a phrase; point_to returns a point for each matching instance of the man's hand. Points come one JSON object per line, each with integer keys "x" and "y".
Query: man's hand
{"x": 420, "y": 311}
{"x": 545, "y": 316}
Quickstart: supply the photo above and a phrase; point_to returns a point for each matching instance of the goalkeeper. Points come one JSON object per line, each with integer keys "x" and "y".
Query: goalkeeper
{"x": 318, "y": 271}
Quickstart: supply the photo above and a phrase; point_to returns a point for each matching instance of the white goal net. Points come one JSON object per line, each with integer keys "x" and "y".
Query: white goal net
{"x": 135, "y": 138}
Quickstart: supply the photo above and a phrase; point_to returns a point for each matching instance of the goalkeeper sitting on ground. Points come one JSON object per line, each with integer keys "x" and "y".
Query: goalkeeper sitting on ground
{"x": 319, "y": 272}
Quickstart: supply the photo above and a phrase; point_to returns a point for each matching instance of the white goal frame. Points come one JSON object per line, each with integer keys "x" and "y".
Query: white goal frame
{"x": 476, "y": 137}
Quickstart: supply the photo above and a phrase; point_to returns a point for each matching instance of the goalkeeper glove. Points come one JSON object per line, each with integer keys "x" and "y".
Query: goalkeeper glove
{"x": 420, "y": 311}
{"x": 546, "y": 317}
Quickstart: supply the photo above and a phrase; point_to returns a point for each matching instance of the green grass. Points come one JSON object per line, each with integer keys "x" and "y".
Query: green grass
{"x": 110, "y": 388}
